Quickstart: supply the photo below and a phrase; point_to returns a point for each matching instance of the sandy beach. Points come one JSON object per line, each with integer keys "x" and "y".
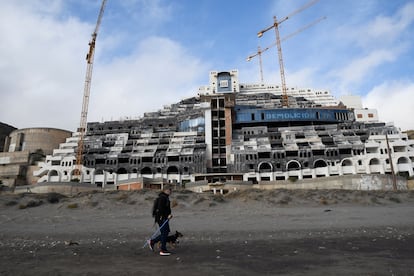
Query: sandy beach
{"x": 253, "y": 232}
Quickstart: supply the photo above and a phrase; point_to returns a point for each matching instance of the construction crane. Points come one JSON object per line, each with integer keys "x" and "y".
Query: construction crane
{"x": 261, "y": 51}
{"x": 259, "y": 54}
{"x": 86, "y": 92}
{"x": 276, "y": 23}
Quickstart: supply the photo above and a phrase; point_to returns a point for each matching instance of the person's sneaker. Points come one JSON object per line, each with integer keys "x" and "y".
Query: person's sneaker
{"x": 150, "y": 245}
{"x": 165, "y": 253}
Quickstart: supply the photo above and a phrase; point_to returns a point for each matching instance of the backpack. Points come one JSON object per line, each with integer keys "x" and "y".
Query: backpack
{"x": 155, "y": 209}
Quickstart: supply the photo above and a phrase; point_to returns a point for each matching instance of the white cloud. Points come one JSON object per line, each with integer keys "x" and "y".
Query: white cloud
{"x": 371, "y": 45}
{"x": 380, "y": 31}
{"x": 42, "y": 71}
{"x": 159, "y": 72}
{"x": 40, "y": 67}
{"x": 304, "y": 77}
{"x": 357, "y": 69}
{"x": 406, "y": 15}
{"x": 394, "y": 101}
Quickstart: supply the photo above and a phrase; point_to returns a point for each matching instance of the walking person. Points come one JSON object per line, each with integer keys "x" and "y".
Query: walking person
{"x": 162, "y": 214}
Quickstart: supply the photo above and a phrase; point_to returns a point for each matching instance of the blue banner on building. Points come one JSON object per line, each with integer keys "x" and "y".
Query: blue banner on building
{"x": 253, "y": 115}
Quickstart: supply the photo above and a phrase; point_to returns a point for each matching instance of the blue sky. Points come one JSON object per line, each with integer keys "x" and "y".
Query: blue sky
{"x": 150, "y": 53}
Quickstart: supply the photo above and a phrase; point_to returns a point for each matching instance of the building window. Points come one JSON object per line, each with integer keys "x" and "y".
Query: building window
{"x": 224, "y": 83}
{"x": 359, "y": 116}
{"x": 221, "y": 102}
{"x": 370, "y": 115}
{"x": 214, "y": 103}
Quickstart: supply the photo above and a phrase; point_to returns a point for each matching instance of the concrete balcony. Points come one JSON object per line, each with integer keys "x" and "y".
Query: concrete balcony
{"x": 54, "y": 178}
{"x": 322, "y": 171}
{"x": 121, "y": 177}
{"x": 348, "y": 170}
{"x": 63, "y": 151}
{"x": 334, "y": 170}
{"x": 297, "y": 173}
{"x": 361, "y": 169}
{"x": 405, "y": 167}
{"x": 376, "y": 169}
{"x": 371, "y": 144}
{"x": 399, "y": 143}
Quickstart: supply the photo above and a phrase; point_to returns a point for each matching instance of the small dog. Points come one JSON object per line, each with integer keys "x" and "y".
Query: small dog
{"x": 172, "y": 240}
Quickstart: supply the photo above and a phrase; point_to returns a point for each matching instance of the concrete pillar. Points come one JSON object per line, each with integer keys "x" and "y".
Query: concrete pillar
{"x": 6, "y": 144}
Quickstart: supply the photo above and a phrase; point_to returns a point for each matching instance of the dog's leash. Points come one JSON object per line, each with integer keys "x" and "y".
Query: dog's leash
{"x": 155, "y": 233}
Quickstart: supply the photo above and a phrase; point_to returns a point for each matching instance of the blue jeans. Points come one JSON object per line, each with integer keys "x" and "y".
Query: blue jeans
{"x": 164, "y": 234}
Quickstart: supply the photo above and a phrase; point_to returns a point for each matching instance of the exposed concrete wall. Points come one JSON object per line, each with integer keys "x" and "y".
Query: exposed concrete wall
{"x": 66, "y": 188}
{"x": 9, "y": 158}
{"x": 350, "y": 182}
{"x": 30, "y": 178}
{"x": 9, "y": 171}
{"x": 13, "y": 168}
{"x": 25, "y": 147}
{"x": 32, "y": 139}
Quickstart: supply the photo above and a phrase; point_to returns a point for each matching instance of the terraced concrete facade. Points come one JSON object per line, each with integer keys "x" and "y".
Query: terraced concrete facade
{"x": 233, "y": 132}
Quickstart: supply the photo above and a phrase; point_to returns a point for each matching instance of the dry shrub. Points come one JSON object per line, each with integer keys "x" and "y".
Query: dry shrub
{"x": 395, "y": 199}
{"x": 34, "y": 203}
{"x": 198, "y": 200}
{"x": 285, "y": 200}
{"x": 374, "y": 199}
{"x": 122, "y": 196}
{"x": 150, "y": 198}
{"x": 73, "y": 206}
{"x": 11, "y": 203}
{"x": 244, "y": 194}
{"x": 186, "y": 192}
{"x": 218, "y": 198}
{"x": 30, "y": 204}
{"x": 93, "y": 203}
{"x": 182, "y": 197}
{"x": 54, "y": 197}
{"x": 323, "y": 201}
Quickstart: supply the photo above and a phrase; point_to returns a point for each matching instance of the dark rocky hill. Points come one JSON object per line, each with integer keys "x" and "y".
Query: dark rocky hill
{"x": 5, "y": 130}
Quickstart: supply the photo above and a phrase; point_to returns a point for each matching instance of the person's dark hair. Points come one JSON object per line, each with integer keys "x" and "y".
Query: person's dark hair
{"x": 167, "y": 187}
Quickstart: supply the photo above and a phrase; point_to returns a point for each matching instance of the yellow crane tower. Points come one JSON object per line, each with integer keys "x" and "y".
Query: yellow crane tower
{"x": 276, "y": 23}
{"x": 86, "y": 91}
{"x": 260, "y": 51}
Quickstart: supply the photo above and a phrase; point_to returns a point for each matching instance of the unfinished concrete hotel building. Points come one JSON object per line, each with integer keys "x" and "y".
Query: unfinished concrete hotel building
{"x": 232, "y": 132}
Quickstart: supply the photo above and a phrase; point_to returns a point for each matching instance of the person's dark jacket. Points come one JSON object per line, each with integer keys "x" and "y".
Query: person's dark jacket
{"x": 163, "y": 207}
